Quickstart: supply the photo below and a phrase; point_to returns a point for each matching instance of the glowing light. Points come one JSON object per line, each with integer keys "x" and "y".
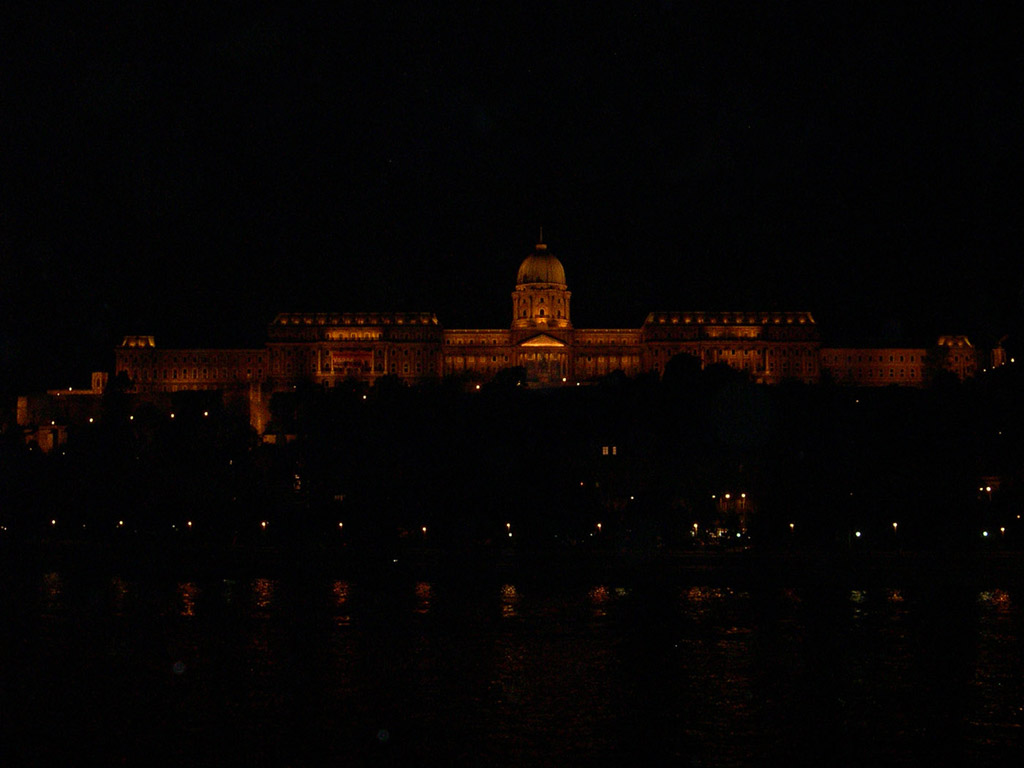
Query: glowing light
{"x": 131, "y": 418}
{"x": 90, "y": 419}
{"x": 263, "y": 523}
{"x": 189, "y": 523}
{"x": 120, "y": 523}
{"x": 988, "y": 488}
{"x": 743, "y": 495}
{"x": 424, "y": 529}
{"x": 172, "y": 415}
{"x": 792, "y": 526}
{"x": 53, "y": 423}
{"x": 364, "y": 397}
{"x": 738, "y": 535}
{"x": 985, "y": 534}
{"x": 478, "y": 386}
{"x": 631, "y": 498}
{"x": 695, "y": 527}
{"x": 205, "y": 414}
{"x": 563, "y": 379}
{"x": 894, "y": 526}
{"x": 508, "y": 526}
{"x": 341, "y": 525}
{"x": 1002, "y": 530}
{"x": 857, "y": 534}
{"x": 53, "y": 522}
{"x": 728, "y": 496}
{"x": 599, "y": 526}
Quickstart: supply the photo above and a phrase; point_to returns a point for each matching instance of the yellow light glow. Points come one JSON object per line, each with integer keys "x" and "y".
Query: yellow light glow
{"x": 894, "y": 526}
{"x": 120, "y": 523}
{"x": 53, "y": 522}
{"x": 508, "y": 525}
{"x": 206, "y": 413}
{"x": 189, "y": 523}
{"x": 743, "y": 495}
{"x": 792, "y": 526}
{"x": 424, "y": 529}
{"x": 263, "y": 524}
{"x": 53, "y": 423}
{"x": 728, "y": 496}
{"x": 172, "y": 415}
{"x": 857, "y": 534}
{"x": 90, "y": 419}
{"x": 131, "y": 418}
{"x": 599, "y": 526}
{"x": 341, "y": 525}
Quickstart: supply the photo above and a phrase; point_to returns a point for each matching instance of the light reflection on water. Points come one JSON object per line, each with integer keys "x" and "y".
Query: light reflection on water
{"x": 424, "y": 594}
{"x": 996, "y": 714}
{"x": 187, "y": 593}
{"x": 340, "y": 590}
{"x": 119, "y": 594}
{"x": 263, "y": 594}
{"x": 585, "y": 673}
{"x": 509, "y": 601}
{"x": 52, "y": 592}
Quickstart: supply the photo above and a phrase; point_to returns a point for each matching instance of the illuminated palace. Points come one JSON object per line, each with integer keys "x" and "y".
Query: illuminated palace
{"x": 330, "y": 348}
{"x": 327, "y": 348}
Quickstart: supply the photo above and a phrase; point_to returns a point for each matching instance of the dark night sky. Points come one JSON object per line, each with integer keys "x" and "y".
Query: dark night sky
{"x": 188, "y": 170}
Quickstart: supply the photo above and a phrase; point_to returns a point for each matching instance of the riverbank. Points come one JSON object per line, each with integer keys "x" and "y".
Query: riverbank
{"x": 143, "y": 557}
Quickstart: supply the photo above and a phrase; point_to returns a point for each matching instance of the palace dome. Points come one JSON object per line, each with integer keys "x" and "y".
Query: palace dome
{"x": 541, "y": 267}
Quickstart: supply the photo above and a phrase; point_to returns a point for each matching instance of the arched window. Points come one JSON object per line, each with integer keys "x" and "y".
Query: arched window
{"x": 542, "y": 313}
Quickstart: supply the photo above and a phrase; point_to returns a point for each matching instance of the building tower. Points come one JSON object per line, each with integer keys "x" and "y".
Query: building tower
{"x": 541, "y": 297}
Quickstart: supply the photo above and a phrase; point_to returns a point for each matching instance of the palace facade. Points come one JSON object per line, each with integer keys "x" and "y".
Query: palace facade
{"x": 326, "y": 349}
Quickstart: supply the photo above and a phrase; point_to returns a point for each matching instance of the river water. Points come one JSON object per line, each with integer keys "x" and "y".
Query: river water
{"x": 507, "y": 671}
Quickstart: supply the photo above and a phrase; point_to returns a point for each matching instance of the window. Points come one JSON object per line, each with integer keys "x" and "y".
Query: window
{"x": 542, "y": 313}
